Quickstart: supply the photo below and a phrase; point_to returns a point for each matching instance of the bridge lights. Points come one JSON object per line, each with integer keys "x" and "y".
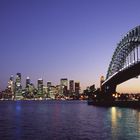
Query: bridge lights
{"x": 113, "y": 95}
{"x": 116, "y": 96}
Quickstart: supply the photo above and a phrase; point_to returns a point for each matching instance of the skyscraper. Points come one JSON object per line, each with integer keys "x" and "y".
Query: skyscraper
{"x": 64, "y": 86}
{"x": 52, "y": 92}
{"x": 71, "y": 87}
{"x": 58, "y": 90}
{"x": 11, "y": 83}
{"x": 49, "y": 84}
{"x": 77, "y": 88}
{"x": 30, "y": 89}
{"x": 11, "y": 86}
{"x": 40, "y": 87}
{"x": 28, "y": 82}
{"x": 18, "y": 87}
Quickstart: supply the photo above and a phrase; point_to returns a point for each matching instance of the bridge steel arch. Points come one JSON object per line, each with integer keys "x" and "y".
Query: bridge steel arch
{"x": 125, "y": 62}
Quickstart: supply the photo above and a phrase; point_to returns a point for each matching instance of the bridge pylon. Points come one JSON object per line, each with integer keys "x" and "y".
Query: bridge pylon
{"x": 106, "y": 92}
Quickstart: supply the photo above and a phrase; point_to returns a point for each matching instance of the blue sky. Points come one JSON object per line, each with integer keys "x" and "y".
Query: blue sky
{"x": 55, "y": 39}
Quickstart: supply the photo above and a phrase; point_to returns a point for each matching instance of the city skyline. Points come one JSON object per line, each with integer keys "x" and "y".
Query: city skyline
{"x": 27, "y": 79}
{"x": 57, "y": 38}
{"x": 66, "y": 89}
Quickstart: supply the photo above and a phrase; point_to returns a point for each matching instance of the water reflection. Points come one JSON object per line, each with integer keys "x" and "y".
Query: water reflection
{"x": 113, "y": 116}
{"x": 72, "y": 120}
{"x": 116, "y": 115}
{"x": 18, "y": 119}
{"x": 125, "y": 123}
{"x": 114, "y": 121}
{"x": 18, "y": 107}
{"x": 136, "y": 113}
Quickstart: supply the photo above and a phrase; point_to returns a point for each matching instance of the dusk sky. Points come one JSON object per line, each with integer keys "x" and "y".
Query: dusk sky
{"x": 53, "y": 39}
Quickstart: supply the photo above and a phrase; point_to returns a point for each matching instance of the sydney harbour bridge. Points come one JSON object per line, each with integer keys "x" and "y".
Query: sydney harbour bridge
{"x": 125, "y": 62}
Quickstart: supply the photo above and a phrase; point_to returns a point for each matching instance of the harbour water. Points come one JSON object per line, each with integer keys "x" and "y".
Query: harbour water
{"x": 66, "y": 120}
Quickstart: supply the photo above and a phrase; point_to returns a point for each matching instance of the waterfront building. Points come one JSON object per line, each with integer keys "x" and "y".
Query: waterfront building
{"x": 58, "y": 91}
{"x": 29, "y": 91}
{"x": 40, "y": 87}
{"x": 49, "y": 84}
{"x": 28, "y": 88}
{"x": 45, "y": 91}
{"x": 52, "y": 92}
{"x": 71, "y": 87}
{"x": 77, "y": 88}
{"x": 28, "y": 82}
{"x": 18, "y": 87}
{"x": 11, "y": 85}
{"x": 64, "y": 86}
{"x": 9, "y": 91}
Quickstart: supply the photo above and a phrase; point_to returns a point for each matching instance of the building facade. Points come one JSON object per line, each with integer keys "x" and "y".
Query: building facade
{"x": 71, "y": 87}
{"x": 18, "y": 87}
{"x": 77, "y": 88}
{"x": 40, "y": 87}
{"x": 64, "y": 86}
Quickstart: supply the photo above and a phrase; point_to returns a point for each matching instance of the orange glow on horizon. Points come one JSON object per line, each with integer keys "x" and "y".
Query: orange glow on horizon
{"x": 130, "y": 86}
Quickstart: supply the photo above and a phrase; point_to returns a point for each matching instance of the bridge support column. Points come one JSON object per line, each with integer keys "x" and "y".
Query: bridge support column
{"x": 108, "y": 91}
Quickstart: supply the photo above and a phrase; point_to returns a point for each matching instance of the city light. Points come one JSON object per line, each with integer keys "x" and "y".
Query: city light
{"x": 15, "y": 90}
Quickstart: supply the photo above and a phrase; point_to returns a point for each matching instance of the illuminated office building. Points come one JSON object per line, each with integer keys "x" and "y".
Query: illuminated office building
{"x": 58, "y": 90}
{"x": 52, "y": 92}
{"x": 71, "y": 86}
{"x": 64, "y": 86}
{"x": 28, "y": 82}
{"x": 40, "y": 86}
{"x": 77, "y": 88}
{"x": 49, "y": 84}
{"x": 11, "y": 86}
{"x": 30, "y": 88}
{"x": 18, "y": 87}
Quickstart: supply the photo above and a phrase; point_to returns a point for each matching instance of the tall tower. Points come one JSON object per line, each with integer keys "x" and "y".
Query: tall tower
{"x": 29, "y": 87}
{"x": 11, "y": 86}
{"x": 49, "y": 84}
{"x": 40, "y": 86}
{"x": 77, "y": 88}
{"x": 71, "y": 86}
{"x": 64, "y": 86}
{"x": 101, "y": 81}
{"x": 28, "y": 82}
{"x": 18, "y": 87}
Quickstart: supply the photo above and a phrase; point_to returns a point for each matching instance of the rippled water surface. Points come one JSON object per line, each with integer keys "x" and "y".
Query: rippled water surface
{"x": 66, "y": 120}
